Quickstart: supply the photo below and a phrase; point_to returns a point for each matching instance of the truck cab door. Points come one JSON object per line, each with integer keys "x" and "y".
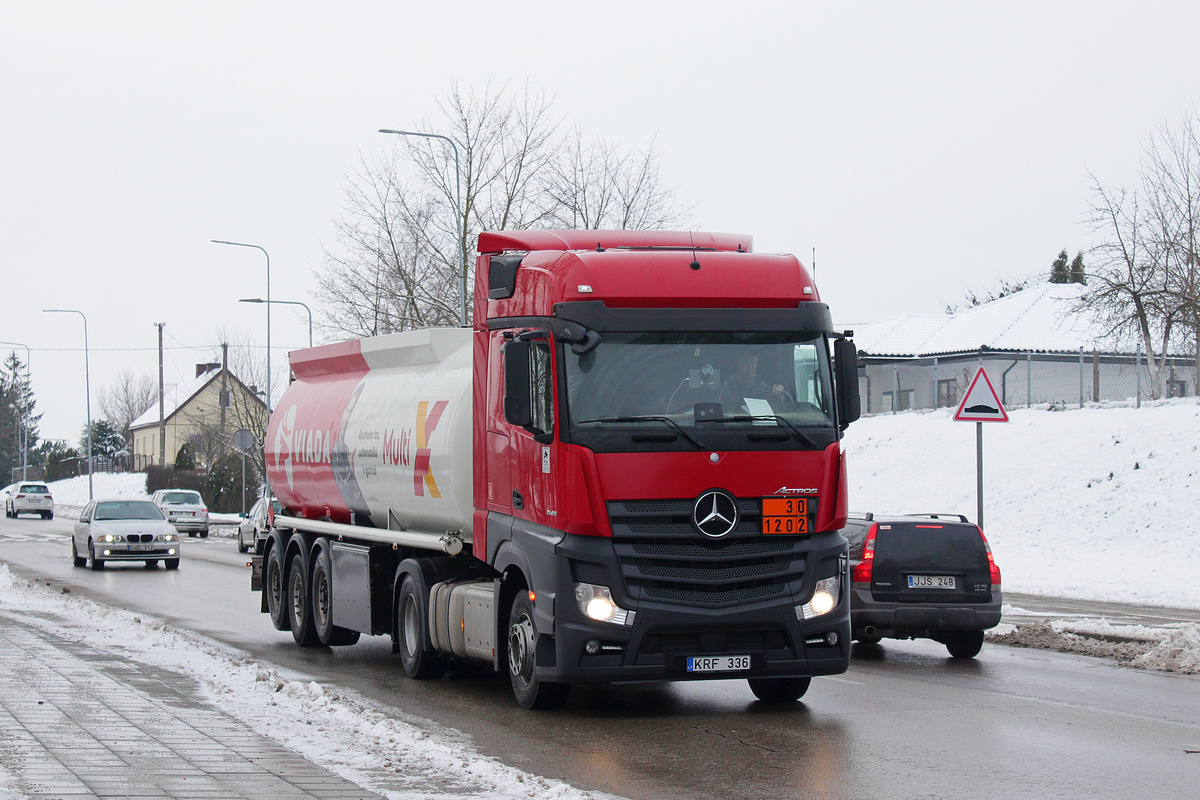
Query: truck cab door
{"x": 530, "y": 410}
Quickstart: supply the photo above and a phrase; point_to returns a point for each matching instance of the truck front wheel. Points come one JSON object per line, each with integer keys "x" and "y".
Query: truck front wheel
{"x": 299, "y": 604}
{"x": 779, "y": 690}
{"x": 530, "y": 691}
{"x": 411, "y": 613}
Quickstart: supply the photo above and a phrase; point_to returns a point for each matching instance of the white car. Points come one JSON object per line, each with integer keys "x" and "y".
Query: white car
{"x": 184, "y": 509}
{"x": 28, "y": 497}
{"x": 124, "y": 530}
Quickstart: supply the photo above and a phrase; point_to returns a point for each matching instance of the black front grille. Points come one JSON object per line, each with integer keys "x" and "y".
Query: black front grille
{"x": 664, "y": 558}
{"x": 135, "y": 538}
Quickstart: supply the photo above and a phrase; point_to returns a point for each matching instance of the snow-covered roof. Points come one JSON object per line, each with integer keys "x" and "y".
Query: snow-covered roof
{"x": 175, "y": 397}
{"x": 1040, "y": 318}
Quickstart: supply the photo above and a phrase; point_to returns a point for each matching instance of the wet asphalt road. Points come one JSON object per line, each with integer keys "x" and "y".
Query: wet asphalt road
{"x": 906, "y": 721}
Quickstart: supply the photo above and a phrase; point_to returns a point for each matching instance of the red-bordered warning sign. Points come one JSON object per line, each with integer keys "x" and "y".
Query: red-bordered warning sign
{"x": 981, "y": 403}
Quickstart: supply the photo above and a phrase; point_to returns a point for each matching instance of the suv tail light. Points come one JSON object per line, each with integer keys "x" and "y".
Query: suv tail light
{"x": 992, "y": 568}
{"x": 862, "y": 572}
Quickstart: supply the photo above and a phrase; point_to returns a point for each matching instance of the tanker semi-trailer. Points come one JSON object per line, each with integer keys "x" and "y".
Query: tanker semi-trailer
{"x": 629, "y": 470}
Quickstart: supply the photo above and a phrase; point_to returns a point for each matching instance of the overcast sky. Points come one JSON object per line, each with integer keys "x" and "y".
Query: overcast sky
{"x": 922, "y": 148}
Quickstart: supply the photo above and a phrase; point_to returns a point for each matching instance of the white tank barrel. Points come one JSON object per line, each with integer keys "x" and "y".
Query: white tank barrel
{"x": 381, "y": 428}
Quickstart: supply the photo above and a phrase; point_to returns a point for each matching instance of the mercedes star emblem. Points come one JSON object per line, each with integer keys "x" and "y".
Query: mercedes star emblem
{"x": 715, "y": 513}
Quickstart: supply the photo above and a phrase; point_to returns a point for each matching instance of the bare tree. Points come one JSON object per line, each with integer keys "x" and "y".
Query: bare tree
{"x": 1129, "y": 292}
{"x": 1171, "y": 180}
{"x": 397, "y": 265}
{"x": 126, "y": 399}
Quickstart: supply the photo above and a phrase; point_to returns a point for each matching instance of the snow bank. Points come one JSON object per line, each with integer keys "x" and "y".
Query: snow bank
{"x": 74, "y": 491}
{"x": 373, "y": 746}
{"x": 1092, "y": 503}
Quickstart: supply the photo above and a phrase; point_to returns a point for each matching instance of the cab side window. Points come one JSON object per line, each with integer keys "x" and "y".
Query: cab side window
{"x": 541, "y": 379}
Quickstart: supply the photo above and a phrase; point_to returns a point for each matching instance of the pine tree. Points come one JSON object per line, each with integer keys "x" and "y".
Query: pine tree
{"x": 1077, "y": 272}
{"x": 1059, "y": 272}
{"x": 18, "y": 422}
{"x": 185, "y": 458}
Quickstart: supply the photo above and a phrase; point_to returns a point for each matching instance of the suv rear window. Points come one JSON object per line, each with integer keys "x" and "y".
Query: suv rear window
{"x": 921, "y": 544}
{"x": 34, "y": 488}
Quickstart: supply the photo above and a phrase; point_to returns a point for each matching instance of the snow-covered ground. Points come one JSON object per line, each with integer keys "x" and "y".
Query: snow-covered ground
{"x": 1094, "y": 503}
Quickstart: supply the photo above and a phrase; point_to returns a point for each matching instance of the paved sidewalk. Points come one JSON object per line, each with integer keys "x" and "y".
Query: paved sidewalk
{"x": 76, "y": 723}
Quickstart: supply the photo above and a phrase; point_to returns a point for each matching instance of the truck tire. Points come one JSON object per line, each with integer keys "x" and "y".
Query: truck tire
{"x": 321, "y": 594}
{"x": 299, "y": 604}
{"x": 273, "y": 587}
{"x": 779, "y": 690}
{"x": 522, "y": 645}
{"x": 412, "y": 615}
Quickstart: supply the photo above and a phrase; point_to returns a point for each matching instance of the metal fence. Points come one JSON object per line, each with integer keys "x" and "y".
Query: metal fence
{"x": 1020, "y": 378}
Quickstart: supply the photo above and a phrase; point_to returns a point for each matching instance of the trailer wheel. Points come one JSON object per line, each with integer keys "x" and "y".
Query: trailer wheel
{"x": 273, "y": 587}
{"x": 411, "y": 615}
{"x": 522, "y": 644}
{"x": 779, "y": 690}
{"x": 321, "y": 594}
{"x": 299, "y": 604}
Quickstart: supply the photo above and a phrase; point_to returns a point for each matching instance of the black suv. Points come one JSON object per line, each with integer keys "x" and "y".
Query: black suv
{"x": 923, "y": 576}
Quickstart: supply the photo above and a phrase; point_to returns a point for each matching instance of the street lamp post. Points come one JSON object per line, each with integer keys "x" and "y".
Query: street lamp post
{"x": 87, "y": 384}
{"x": 24, "y": 412}
{"x": 285, "y": 303}
{"x": 458, "y": 218}
{"x": 265, "y": 253}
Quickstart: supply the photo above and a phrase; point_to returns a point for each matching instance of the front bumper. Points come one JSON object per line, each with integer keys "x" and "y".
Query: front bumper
{"x": 121, "y": 552}
{"x": 663, "y": 635}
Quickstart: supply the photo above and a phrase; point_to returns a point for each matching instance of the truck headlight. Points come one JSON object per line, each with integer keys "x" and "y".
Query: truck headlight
{"x": 825, "y": 598}
{"x": 596, "y": 602}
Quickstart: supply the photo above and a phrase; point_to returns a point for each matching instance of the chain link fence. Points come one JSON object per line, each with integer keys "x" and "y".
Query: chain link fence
{"x": 1021, "y": 379}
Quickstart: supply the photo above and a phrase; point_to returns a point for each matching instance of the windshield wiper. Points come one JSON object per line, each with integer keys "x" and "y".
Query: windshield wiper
{"x": 648, "y": 418}
{"x": 801, "y": 435}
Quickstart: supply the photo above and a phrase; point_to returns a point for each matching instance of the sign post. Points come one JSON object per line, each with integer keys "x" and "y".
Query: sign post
{"x": 979, "y": 405}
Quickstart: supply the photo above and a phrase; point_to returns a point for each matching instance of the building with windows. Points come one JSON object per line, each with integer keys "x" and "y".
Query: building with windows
{"x": 204, "y": 412}
{"x": 1034, "y": 344}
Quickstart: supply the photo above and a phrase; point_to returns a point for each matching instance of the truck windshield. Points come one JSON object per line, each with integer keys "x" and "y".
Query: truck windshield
{"x": 702, "y": 383}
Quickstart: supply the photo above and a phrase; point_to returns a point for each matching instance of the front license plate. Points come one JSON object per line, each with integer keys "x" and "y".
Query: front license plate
{"x": 785, "y": 515}
{"x": 931, "y": 582}
{"x": 717, "y": 663}
{"x": 140, "y": 547}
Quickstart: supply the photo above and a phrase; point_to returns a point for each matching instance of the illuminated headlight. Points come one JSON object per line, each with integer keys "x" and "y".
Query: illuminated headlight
{"x": 825, "y": 599}
{"x": 109, "y": 538}
{"x": 596, "y": 603}
{"x": 166, "y": 537}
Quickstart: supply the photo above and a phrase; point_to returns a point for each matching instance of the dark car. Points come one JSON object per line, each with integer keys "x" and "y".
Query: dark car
{"x": 928, "y": 576}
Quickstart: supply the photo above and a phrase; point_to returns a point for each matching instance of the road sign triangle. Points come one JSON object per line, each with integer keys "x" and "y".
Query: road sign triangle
{"x": 981, "y": 403}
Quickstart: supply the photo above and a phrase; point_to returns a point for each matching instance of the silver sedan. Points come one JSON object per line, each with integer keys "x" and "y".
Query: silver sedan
{"x": 124, "y": 530}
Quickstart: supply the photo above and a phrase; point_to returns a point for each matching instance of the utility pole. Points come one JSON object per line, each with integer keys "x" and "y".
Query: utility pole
{"x": 224, "y": 399}
{"x": 162, "y": 419}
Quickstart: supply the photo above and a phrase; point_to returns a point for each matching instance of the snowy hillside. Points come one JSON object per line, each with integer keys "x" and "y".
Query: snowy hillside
{"x": 1094, "y": 503}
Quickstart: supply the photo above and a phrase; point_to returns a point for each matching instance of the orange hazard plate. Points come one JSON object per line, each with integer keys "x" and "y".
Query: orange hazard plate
{"x": 785, "y": 515}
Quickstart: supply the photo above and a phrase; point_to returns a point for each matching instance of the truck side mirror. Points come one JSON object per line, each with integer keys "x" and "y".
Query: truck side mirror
{"x": 518, "y": 405}
{"x": 846, "y": 363}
